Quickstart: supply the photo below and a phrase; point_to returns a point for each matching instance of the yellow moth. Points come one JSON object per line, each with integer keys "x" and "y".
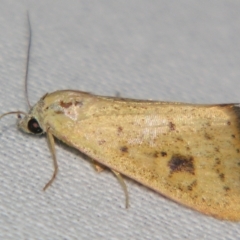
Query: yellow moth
{"x": 189, "y": 153}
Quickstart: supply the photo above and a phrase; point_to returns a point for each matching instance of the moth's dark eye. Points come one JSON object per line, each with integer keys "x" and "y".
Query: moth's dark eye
{"x": 33, "y": 126}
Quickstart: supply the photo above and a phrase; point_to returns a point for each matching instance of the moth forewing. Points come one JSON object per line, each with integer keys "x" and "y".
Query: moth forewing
{"x": 189, "y": 153}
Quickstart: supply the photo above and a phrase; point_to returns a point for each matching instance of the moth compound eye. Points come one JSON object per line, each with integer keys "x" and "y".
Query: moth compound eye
{"x": 33, "y": 126}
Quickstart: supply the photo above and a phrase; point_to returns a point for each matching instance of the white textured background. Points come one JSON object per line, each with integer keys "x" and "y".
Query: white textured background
{"x": 166, "y": 50}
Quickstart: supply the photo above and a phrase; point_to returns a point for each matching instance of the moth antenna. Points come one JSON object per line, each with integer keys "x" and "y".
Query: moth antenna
{"x": 14, "y": 112}
{"x": 26, "y": 74}
{"x": 27, "y": 61}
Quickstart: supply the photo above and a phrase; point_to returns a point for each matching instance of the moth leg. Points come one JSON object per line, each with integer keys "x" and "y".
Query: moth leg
{"x": 51, "y": 145}
{"x": 124, "y": 186}
{"x": 98, "y": 167}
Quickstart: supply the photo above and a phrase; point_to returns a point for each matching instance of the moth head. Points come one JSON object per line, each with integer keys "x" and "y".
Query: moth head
{"x": 30, "y": 124}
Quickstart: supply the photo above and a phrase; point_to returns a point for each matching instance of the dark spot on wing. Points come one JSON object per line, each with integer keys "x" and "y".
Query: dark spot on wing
{"x": 172, "y": 126}
{"x": 192, "y": 185}
{"x": 233, "y": 136}
{"x": 101, "y": 142}
{"x": 227, "y": 189}
{"x": 78, "y": 103}
{"x": 228, "y": 123}
{"x": 207, "y": 136}
{"x": 65, "y": 105}
{"x": 181, "y": 188}
{"x": 217, "y": 161}
{"x": 120, "y": 129}
{"x": 155, "y": 154}
{"x": 164, "y": 154}
{"x": 180, "y": 163}
{"x": 222, "y": 176}
{"x": 58, "y": 112}
{"x": 179, "y": 139}
{"x": 124, "y": 149}
{"x": 217, "y": 169}
{"x": 216, "y": 149}
{"x": 208, "y": 124}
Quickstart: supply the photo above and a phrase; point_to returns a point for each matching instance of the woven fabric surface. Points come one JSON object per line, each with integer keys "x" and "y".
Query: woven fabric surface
{"x": 184, "y": 50}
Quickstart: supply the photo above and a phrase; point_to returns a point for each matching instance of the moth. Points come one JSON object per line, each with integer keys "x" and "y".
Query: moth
{"x": 188, "y": 153}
